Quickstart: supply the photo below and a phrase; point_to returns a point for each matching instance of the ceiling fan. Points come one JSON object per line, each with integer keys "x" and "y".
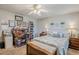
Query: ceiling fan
{"x": 36, "y": 9}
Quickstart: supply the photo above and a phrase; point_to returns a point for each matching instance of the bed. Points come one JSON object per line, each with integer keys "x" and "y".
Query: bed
{"x": 48, "y": 45}
{"x": 37, "y": 48}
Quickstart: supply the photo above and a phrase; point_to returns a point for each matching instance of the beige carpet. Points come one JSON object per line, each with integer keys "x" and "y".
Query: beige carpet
{"x": 22, "y": 51}
{"x": 73, "y": 52}
{"x": 14, "y": 51}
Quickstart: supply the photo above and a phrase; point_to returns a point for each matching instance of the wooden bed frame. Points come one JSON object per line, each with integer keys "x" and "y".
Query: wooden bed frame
{"x": 32, "y": 49}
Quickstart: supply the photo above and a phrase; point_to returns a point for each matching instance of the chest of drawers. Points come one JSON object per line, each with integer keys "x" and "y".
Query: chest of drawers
{"x": 74, "y": 43}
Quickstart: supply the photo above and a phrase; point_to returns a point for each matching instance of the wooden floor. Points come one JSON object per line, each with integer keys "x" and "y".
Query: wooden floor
{"x": 14, "y": 51}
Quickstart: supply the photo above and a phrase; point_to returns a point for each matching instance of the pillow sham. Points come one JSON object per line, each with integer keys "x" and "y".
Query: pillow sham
{"x": 59, "y": 35}
{"x": 54, "y": 34}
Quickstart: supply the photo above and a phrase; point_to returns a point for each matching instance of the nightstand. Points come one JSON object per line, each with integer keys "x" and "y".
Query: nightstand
{"x": 43, "y": 34}
{"x": 74, "y": 43}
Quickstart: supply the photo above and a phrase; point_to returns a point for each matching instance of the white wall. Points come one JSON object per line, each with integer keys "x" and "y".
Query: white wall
{"x": 6, "y": 15}
{"x": 67, "y": 19}
{"x": 39, "y": 25}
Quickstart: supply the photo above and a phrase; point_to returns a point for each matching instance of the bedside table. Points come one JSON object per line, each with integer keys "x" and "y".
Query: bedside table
{"x": 74, "y": 43}
{"x": 43, "y": 34}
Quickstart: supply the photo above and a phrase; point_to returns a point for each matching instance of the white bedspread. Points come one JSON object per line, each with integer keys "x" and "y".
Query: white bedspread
{"x": 60, "y": 43}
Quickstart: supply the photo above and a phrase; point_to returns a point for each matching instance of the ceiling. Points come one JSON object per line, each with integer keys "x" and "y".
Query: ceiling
{"x": 53, "y": 9}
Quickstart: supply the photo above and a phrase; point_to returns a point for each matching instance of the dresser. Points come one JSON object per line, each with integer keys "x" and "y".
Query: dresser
{"x": 74, "y": 43}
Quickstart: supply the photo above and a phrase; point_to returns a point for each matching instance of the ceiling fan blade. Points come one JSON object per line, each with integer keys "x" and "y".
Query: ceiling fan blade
{"x": 30, "y": 13}
{"x": 36, "y": 9}
{"x": 39, "y": 13}
{"x": 43, "y": 10}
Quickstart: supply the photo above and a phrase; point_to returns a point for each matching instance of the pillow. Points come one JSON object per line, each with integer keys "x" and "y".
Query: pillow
{"x": 54, "y": 34}
{"x": 59, "y": 34}
{"x": 64, "y": 35}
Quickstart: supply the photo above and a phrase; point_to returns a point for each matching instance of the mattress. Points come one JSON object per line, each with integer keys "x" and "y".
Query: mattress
{"x": 50, "y": 49}
{"x": 60, "y": 43}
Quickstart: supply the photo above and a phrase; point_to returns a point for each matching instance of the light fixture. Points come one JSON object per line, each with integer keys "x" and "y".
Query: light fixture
{"x": 46, "y": 27}
{"x": 72, "y": 29}
{"x": 36, "y": 9}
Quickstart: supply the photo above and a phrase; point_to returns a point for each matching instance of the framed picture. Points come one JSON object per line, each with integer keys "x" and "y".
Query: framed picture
{"x": 19, "y": 23}
{"x": 18, "y": 18}
{"x": 24, "y": 24}
{"x": 12, "y": 23}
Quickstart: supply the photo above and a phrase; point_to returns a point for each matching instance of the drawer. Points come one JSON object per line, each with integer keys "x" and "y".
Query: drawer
{"x": 76, "y": 40}
{"x": 75, "y": 45}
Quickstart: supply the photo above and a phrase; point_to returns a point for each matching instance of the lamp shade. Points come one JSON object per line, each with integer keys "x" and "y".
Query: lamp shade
{"x": 4, "y": 27}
